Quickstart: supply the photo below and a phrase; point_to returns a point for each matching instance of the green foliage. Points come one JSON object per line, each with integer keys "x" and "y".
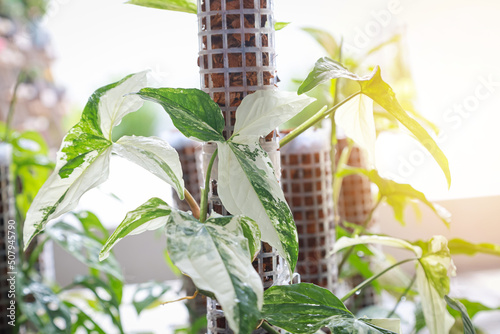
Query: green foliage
{"x": 186, "y": 6}
{"x": 281, "y": 25}
{"x": 457, "y": 306}
{"x": 148, "y": 294}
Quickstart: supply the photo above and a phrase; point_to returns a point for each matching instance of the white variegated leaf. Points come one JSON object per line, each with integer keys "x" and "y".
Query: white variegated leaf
{"x": 59, "y": 195}
{"x": 248, "y": 186}
{"x": 149, "y": 216}
{"x": 156, "y": 156}
{"x": 345, "y": 242}
{"x": 437, "y": 318}
{"x": 118, "y": 102}
{"x": 218, "y": 261}
{"x": 263, "y": 111}
{"x": 392, "y": 324}
{"x": 355, "y": 117}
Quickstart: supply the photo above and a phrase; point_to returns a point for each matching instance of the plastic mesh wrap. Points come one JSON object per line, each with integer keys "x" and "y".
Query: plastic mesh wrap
{"x": 307, "y": 183}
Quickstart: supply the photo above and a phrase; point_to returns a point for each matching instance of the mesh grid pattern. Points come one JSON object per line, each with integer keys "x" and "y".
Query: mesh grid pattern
{"x": 6, "y": 214}
{"x": 237, "y": 54}
{"x": 355, "y": 204}
{"x": 307, "y": 183}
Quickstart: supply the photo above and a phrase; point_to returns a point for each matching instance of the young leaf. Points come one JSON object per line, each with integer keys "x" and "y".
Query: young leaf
{"x": 263, "y": 111}
{"x": 456, "y": 305}
{"x": 186, "y": 6}
{"x": 306, "y": 308}
{"x": 149, "y": 216}
{"x": 83, "y": 160}
{"x": 146, "y": 294}
{"x": 83, "y": 248}
{"x": 280, "y": 25}
{"x": 355, "y": 117}
{"x": 248, "y": 186}
{"x": 396, "y": 194}
{"x": 156, "y": 156}
{"x": 218, "y": 261}
{"x": 379, "y": 91}
{"x": 192, "y": 111}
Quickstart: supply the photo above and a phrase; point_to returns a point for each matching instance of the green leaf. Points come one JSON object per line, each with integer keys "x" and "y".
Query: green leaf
{"x": 83, "y": 159}
{"x": 92, "y": 226}
{"x": 186, "y": 6}
{"x": 192, "y": 111}
{"x": 325, "y": 40}
{"x": 105, "y": 296}
{"x": 263, "y": 111}
{"x": 82, "y": 247}
{"x": 248, "y": 186}
{"x": 345, "y": 242}
{"x": 156, "y": 156}
{"x": 379, "y": 91}
{"x": 460, "y": 246}
{"x": 474, "y": 308}
{"x": 383, "y": 94}
{"x": 456, "y": 305}
{"x": 306, "y": 308}
{"x": 218, "y": 261}
{"x": 42, "y": 306}
{"x": 396, "y": 194}
{"x": 280, "y": 25}
{"x": 149, "y": 216}
{"x": 146, "y": 294}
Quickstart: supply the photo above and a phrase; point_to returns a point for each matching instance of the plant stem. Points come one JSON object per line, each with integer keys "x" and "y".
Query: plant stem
{"x": 401, "y": 297}
{"x": 363, "y": 227}
{"x": 204, "y": 192}
{"x": 195, "y": 209}
{"x": 313, "y": 120}
{"x": 269, "y": 328}
{"x": 12, "y": 105}
{"x": 374, "y": 277}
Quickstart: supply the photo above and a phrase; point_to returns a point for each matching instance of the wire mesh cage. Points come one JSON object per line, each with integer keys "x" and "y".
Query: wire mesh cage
{"x": 355, "y": 204}
{"x": 237, "y": 58}
{"x": 7, "y": 254}
{"x": 307, "y": 183}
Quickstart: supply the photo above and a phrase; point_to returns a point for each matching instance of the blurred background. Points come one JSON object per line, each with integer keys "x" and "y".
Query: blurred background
{"x": 449, "y": 47}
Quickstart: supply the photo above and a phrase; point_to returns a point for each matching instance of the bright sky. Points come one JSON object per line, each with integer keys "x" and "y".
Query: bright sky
{"x": 452, "y": 48}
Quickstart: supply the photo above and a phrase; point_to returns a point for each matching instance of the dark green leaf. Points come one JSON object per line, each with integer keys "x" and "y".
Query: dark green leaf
{"x": 147, "y": 294}
{"x": 456, "y": 305}
{"x": 192, "y": 111}
{"x": 84, "y": 248}
{"x": 186, "y": 6}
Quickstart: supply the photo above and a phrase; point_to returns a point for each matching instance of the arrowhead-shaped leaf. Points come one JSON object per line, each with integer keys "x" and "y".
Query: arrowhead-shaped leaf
{"x": 379, "y": 91}
{"x": 248, "y": 186}
{"x": 149, "y": 216}
{"x": 192, "y": 111}
{"x": 306, "y": 308}
{"x": 396, "y": 194}
{"x": 83, "y": 160}
{"x": 156, "y": 156}
{"x": 218, "y": 261}
{"x": 186, "y": 6}
{"x": 263, "y": 111}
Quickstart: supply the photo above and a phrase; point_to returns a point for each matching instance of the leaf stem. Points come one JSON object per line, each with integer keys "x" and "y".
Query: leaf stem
{"x": 401, "y": 297}
{"x": 374, "y": 277}
{"x": 195, "y": 209}
{"x": 12, "y": 105}
{"x": 269, "y": 328}
{"x": 313, "y": 120}
{"x": 204, "y": 191}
